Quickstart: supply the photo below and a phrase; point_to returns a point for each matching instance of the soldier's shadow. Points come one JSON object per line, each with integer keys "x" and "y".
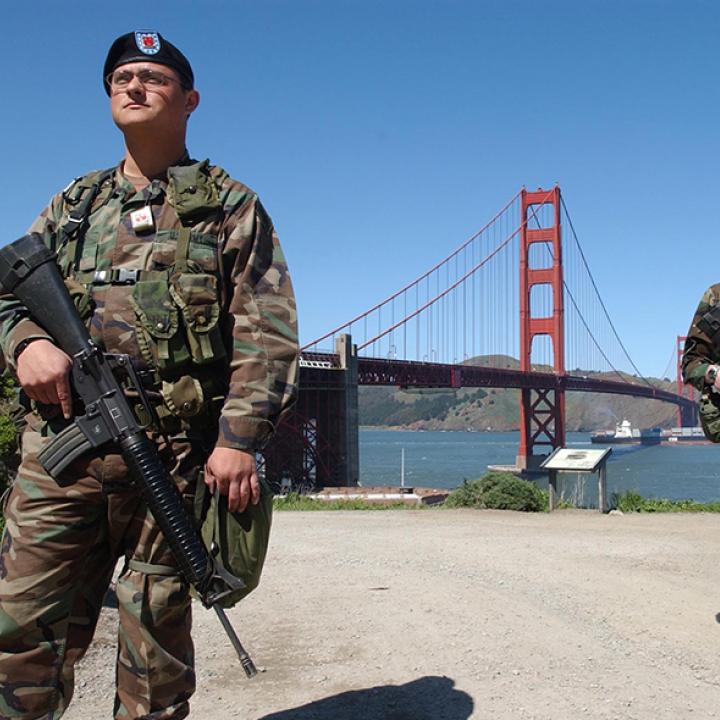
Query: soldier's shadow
{"x": 427, "y": 698}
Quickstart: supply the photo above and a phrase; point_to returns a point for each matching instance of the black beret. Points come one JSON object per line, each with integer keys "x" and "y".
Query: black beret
{"x": 147, "y": 46}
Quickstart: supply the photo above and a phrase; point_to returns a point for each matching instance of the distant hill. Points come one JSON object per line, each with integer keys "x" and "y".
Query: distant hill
{"x": 499, "y": 409}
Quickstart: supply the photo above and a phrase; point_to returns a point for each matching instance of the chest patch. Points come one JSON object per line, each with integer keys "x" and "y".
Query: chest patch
{"x": 142, "y": 220}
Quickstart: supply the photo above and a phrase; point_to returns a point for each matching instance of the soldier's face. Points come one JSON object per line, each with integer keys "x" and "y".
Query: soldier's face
{"x": 157, "y": 107}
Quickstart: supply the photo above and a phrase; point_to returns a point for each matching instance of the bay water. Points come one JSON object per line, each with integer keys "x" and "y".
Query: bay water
{"x": 443, "y": 459}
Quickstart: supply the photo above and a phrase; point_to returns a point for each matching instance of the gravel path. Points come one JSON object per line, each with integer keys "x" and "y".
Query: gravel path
{"x": 455, "y": 614}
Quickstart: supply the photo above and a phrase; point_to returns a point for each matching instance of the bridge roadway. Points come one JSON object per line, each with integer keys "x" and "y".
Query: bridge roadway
{"x": 409, "y": 373}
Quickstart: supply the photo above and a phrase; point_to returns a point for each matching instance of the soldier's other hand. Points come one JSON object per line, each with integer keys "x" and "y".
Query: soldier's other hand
{"x": 44, "y": 373}
{"x": 233, "y": 473}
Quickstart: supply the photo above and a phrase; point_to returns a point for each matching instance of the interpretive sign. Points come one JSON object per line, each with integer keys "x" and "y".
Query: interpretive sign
{"x": 575, "y": 460}
{"x": 579, "y": 461}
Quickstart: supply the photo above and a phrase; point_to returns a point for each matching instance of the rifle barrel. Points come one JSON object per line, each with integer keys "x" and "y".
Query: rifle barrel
{"x": 245, "y": 659}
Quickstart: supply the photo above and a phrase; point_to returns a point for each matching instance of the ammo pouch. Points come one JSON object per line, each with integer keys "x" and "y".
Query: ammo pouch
{"x": 709, "y": 414}
{"x": 196, "y": 294}
{"x": 177, "y": 317}
{"x": 238, "y": 542}
{"x": 178, "y": 321}
{"x": 157, "y": 325}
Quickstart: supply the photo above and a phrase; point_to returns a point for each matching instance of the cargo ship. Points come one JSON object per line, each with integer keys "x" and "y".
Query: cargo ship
{"x": 694, "y": 435}
{"x": 625, "y": 434}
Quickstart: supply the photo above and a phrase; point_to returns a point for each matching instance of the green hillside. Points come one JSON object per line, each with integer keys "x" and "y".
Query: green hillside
{"x": 499, "y": 409}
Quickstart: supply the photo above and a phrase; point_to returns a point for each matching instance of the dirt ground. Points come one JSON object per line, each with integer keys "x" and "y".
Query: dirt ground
{"x": 454, "y": 614}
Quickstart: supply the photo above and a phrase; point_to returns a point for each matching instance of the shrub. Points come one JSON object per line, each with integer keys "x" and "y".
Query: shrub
{"x": 498, "y": 491}
{"x": 632, "y": 501}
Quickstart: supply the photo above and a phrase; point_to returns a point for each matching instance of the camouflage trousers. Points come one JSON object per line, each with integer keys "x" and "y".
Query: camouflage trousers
{"x": 61, "y": 543}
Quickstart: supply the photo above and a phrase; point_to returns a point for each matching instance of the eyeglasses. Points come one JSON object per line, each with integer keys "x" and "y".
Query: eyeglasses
{"x": 150, "y": 79}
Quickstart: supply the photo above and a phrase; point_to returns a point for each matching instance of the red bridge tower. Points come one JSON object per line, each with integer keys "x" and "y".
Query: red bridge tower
{"x": 542, "y": 412}
{"x": 687, "y": 417}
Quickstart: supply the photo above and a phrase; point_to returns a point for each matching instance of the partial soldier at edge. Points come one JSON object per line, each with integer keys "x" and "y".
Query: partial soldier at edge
{"x": 701, "y": 360}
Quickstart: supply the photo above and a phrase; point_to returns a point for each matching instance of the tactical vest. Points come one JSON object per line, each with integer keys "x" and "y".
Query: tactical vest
{"x": 177, "y": 327}
{"x": 177, "y": 309}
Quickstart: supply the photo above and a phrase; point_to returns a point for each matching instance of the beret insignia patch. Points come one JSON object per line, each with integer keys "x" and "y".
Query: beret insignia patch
{"x": 147, "y": 42}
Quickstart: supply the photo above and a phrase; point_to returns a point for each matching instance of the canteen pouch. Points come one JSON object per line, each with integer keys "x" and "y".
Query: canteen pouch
{"x": 196, "y": 295}
{"x": 709, "y": 414}
{"x": 157, "y": 325}
{"x": 184, "y": 397}
{"x": 237, "y": 541}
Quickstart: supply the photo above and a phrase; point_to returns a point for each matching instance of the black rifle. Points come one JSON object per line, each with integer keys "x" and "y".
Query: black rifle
{"x": 28, "y": 271}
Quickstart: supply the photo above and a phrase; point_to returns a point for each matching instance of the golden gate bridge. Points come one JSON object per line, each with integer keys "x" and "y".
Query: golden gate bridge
{"x": 513, "y": 306}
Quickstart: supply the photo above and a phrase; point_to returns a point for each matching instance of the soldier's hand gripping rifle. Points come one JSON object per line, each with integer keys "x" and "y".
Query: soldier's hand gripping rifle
{"x": 28, "y": 271}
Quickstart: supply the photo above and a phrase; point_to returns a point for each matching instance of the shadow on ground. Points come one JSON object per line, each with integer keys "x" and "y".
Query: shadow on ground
{"x": 428, "y": 698}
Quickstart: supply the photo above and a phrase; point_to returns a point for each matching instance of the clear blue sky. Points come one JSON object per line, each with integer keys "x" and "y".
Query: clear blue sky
{"x": 381, "y": 134}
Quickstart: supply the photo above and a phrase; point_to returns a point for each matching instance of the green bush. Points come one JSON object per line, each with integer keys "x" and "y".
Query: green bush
{"x": 631, "y": 501}
{"x": 499, "y": 491}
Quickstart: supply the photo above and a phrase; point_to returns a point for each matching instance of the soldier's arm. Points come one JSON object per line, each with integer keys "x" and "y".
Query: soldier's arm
{"x": 15, "y": 325}
{"x": 263, "y": 364}
{"x": 700, "y": 352}
{"x": 264, "y": 359}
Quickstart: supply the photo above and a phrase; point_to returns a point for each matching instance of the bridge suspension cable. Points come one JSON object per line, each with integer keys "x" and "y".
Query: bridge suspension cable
{"x": 466, "y": 308}
{"x": 415, "y": 283}
{"x": 581, "y": 317}
{"x": 670, "y": 363}
{"x": 463, "y": 309}
{"x": 600, "y": 300}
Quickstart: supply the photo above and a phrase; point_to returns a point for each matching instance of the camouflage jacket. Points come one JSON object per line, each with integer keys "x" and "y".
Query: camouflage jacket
{"x": 700, "y": 351}
{"x": 225, "y": 307}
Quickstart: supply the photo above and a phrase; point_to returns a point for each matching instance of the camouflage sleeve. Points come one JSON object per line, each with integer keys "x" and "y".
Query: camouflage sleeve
{"x": 15, "y": 323}
{"x": 264, "y": 362}
{"x": 700, "y": 351}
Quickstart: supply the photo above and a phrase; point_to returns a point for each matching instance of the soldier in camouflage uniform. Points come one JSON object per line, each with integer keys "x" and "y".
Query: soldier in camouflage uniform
{"x": 177, "y": 265}
{"x": 701, "y": 360}
{"x": 701, "y": 353}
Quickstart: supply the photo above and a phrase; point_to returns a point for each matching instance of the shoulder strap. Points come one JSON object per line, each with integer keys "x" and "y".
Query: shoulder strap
{"x": 182, "y": 252}
{"x": 194, "y": 191}
{"x": 79, "y": 198}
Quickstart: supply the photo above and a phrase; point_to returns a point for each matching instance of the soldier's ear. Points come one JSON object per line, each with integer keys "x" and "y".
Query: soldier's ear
{"x": 192, "y": 100}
